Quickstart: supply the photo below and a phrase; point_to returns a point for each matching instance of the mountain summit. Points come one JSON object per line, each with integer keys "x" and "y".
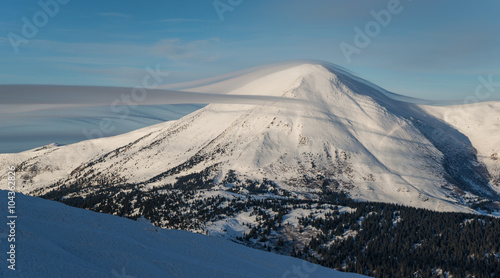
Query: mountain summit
{"x": 345, "y": 134}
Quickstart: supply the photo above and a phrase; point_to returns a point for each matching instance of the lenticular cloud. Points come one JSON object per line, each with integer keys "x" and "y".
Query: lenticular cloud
{"x": 31, "y": 97}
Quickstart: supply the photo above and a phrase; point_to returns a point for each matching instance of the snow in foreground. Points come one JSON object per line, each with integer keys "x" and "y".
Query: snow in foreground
{"x": 55, "y": 240}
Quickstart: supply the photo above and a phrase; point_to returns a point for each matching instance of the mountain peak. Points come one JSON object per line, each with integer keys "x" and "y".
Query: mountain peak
{"x": 345, "y": 134}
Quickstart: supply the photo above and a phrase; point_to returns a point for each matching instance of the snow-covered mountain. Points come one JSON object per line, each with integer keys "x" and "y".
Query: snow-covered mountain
{"x": 345, "y": 134}
{"x": 54, "y": 240}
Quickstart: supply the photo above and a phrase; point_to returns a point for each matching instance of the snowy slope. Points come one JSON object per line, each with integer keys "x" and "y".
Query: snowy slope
{"x": 480, "y": 122}
{"x": 346, "y": 134}
{"x": 54, "y": 240}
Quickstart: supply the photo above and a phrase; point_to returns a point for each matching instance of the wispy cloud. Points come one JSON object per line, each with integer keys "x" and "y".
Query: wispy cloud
{"x": 110, "y": 63}
{"x": 172, "y": 49}
{"x": 84, "y": 60}
{"x": 324, "y": 10}
{"x": 185, "y": 20}
{"x": 175, "y": 49}
{"x": 113, "y": 14}
{"x": 444, "y": 52}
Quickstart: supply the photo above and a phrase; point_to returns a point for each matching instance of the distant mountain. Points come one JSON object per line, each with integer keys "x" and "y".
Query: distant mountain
{"x": 343, "y": 134}
{"x": 54, "y": 240}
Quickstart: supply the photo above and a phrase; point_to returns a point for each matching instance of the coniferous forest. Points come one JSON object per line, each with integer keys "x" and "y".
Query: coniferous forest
{"x": 375, "y": 239}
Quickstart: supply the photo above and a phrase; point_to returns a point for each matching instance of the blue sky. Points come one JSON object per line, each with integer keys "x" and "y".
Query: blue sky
{"x": 429, "y": 49}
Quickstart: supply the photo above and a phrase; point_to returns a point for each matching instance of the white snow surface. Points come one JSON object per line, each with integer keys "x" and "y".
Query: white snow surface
{"x": 480, "y": 122}
{"x": 54, "y": 240}
{"x": 346, "y": 129}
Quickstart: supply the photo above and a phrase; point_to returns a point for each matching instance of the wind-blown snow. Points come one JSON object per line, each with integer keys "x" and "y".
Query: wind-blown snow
{"x": 54, "y": 240}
